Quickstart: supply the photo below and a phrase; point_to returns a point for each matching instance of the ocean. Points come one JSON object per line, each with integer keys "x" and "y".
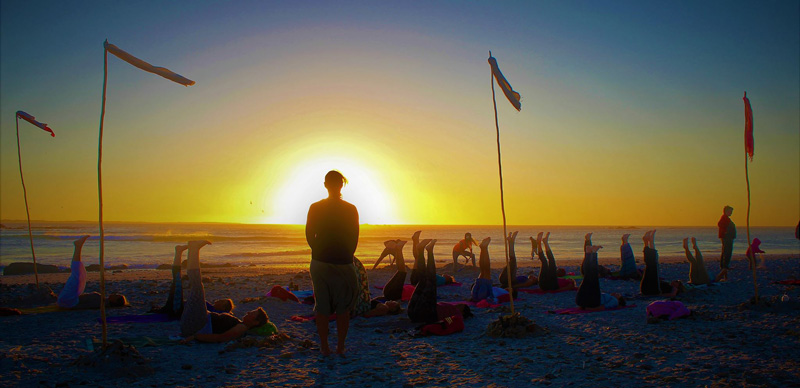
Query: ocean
{"x": 147, "y": 245}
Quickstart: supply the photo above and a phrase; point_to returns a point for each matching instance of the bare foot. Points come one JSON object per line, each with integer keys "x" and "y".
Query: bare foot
{"x": 694, "y": 242}
{"x": 429, "y": 247}
{"x": 625, "y": 238}
{"x": 399, "y": 244}
{"x": 686, "y": 243}
{"x": 534, "y": 248}
{"x": 197, "y": 244}
{"x": 79, "y": 242}
{"x": 422, "y": 244}
{"x": 325, "y": 350}
{"x": 546, "y": 238}
{"x": 181, "y": 248}
{"x": 588, "y": 236}
{"x": 592, "y": 248}
{"x": 539, "y": 240}
{"x": 646, "y": 238}
{"x": 415, "y": 237}
{"x": 485, "y": 242}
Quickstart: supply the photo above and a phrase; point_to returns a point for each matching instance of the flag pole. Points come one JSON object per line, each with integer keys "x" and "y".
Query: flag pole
{"x": 750, "y": 249}
{"x": 502, "y": 199}
{"x": 100, "y": 202}
{"x": 27, "y": 212}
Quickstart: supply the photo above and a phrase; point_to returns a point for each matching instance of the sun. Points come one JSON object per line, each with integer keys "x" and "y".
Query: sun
{"x": 304, "y": 186}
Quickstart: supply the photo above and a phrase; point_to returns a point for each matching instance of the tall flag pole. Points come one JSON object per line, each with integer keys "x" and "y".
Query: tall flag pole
{"x": 513, "y": 97}
{"x": 749, "y": 149}
{"x": 22, "y": 115}
{"x": 164, "y": 72}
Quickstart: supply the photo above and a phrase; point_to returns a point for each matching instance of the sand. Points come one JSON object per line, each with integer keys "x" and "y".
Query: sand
{"x": 726, "y": 342}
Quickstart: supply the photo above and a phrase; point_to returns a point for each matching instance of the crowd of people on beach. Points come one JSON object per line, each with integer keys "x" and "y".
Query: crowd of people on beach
{"x": 341, "y": 288}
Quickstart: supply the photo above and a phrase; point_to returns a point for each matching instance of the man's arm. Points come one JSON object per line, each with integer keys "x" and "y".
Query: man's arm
{"x": 311, "y": 227}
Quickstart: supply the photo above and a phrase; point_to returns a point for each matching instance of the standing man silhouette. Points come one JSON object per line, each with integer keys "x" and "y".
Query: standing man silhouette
{"x": 727, "y": 233}
{"x": 332, "y": 234}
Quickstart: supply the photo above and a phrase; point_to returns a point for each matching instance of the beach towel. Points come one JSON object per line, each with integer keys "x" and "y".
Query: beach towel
{"x": 283, "y": 294}
{"x": 578, "y": 310}
{"x": 142, "y": 318}
{"x": 671, "y": 309}
{"x": 449, "y": 325}
{"x": 789, "y": 282}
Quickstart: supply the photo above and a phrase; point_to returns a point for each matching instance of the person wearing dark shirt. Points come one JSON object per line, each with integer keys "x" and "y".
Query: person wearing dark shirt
{"x": 197, "y": 323}
{"x": 727, "y": 233}
{"x": 332, "y": 234}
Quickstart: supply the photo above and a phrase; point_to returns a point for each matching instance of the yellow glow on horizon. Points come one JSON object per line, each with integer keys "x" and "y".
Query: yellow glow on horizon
{"x": 303, "y": 185}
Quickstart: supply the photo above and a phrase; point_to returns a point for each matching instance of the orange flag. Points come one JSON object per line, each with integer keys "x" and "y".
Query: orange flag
{"x": 749, "y": 143}
{"x": 33, "y": 121}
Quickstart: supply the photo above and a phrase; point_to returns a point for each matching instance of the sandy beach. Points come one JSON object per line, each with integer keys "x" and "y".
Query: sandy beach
{"x": 725, "y": 342}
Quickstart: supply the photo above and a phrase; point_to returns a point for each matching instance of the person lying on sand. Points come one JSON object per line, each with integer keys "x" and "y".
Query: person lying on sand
{"x": 418, "y": 270}
{"x": 389, "y": 249}
{"x": 589, "y": 296}
{"x": 72, "y": 296}
{"x": 423, "y": 308}
{"x": 380, "y": 308}
{"x": 512, "y": 263}
{"x": 174, "y": 305}
{"x": 482, "y": 289}
{"x": 697, "y": 267}
{"x": 394, "y": 288}
{"x": 464, "y": 248}
{"x": 197, "y": 323}
{"x": 548, "y": 275}
{"x": 651, "y": 284}
{"x": 627, "y": 269}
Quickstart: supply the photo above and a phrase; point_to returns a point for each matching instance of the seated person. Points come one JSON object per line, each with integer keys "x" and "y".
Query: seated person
{"x": 651, "y": 284}
{"x": 589, "y": 296}
{"x": 422, "y": 306}
{"x": 482, "y": 289}
{"x": 72, "y": 296}
{"x": 548, "y": 275}
{"x": 197, "y": 323}
{"x": 363, "y": 302}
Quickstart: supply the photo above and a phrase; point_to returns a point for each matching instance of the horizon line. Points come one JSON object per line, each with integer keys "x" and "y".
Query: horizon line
{"x": 624, "y": 226}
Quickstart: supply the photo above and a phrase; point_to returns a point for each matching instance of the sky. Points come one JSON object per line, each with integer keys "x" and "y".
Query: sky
{"x": 632, "y": 112}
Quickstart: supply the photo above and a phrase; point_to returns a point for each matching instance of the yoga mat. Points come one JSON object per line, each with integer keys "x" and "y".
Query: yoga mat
{"x": 41, "y": 309}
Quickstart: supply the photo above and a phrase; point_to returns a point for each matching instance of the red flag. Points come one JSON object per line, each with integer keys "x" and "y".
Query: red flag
{"x": 33, "y": 121}
{"x": 749, "y": 143}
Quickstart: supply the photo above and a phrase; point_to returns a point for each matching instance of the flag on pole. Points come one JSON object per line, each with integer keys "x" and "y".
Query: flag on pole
{"x": 33, "y": 121}
{"x": 512, "y": 96}
{"x": 749, "y": 142}
{"x": 162, "y": 71}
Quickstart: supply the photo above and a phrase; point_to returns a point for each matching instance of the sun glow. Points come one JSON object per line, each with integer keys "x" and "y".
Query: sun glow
{"x": 304, "y": 186}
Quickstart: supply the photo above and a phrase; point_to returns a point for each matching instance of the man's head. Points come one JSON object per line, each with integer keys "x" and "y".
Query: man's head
{"x": 728, "y": 210}
{"x": 225, "y": 305}
{"x": 255, "y": 318}
{"x": 117, "y": 300}
{"x": 334, "y": 181}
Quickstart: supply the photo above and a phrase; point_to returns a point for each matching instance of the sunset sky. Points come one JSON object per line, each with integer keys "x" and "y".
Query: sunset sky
{"x": 632, "y": 112}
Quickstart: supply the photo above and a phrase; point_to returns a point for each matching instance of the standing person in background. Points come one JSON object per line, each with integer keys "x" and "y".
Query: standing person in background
{"x": 332, "y": 233}
{"x": 727, "y": 233}
{"x": 464, "y": 248}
